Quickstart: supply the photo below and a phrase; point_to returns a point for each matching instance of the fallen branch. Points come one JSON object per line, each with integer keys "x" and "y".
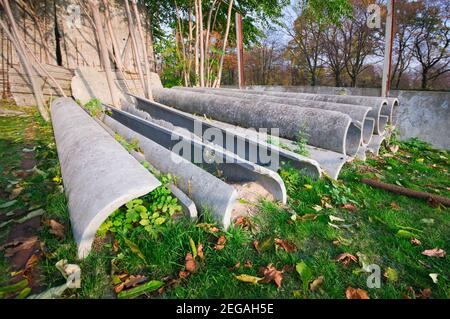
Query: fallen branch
{"x": 408, "y": 192}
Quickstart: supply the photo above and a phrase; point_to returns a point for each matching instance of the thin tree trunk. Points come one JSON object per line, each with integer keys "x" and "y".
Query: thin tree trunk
{"x": 112, "y": 34}
{"x": 183, "y": 48}
{"x": 104, "y": 51}
{"x": 16, "y": 40}
{"x": 225, "y": 40}
{"x": 144, "y": 48}
{"x": 208, "y": 33}
{"x": 190, "y": 47}
{"x": 197, "y": 36}
{"x": 202, "y": 45}
{"x": 135, "y": 47}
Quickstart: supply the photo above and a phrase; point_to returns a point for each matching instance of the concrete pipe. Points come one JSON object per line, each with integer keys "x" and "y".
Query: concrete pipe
{"x": 99, "y": 175}
{"x": 358, "y": 113}
{"x": 205, "y": 189}
{"x": 381, "y": 111}
{"x": 325, "y": 129}
{"x": 251, "y": 149}
{"x": 208, "y": 156}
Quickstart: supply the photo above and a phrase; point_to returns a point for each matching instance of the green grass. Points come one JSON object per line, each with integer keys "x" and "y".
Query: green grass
{"x": 371, "y": 230}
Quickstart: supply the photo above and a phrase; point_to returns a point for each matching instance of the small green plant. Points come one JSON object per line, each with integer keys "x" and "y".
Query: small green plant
{"x": 151, "y": 212}
{"x": 94, "y": 106}
{"x": 133, "y": 145}
{"x": 300, "y": 143}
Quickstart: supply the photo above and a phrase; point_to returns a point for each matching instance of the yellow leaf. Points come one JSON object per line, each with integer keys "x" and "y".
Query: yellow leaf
{"x": 248, "y": 278}
{"x": 307, "y": 186}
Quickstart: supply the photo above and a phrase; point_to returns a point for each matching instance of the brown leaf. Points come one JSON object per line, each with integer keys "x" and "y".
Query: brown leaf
{"x": 256, "y": 245}
{"x": 435, "y": 252}
{"x": 133, "y": 281}
{"x": 248, "y": 264}
{"x": 286, "y": 245}
{"x": 183, "y": 274}
{"x": 116, "y": 246}
{"x": 119, "y": 287}
{"x": 15, "y": 192}
{"x": 307, "y": 217}
{"x": 349, "y": 207}
{"x": 220, "y": 243}
{"x": 424, "y": 294}
{"x": 395, "y": 206}
{"x": 214, "y": 229}
{"x": 32, "y": 261}
{"x": 346, "y": 259}
{"x": 272, "y": 274}
{"x": 19, "y": 245}
{"x": 316, "y": 283}
{"x": 56, "y": 228}
{"x": 356, "y": 293}
{"x": 325, "y": 202}
{"x": 190, "y": 263}
{"x": 393, "y": 148}
{"x": 200, "y": 253}
{"x": 236, "y": 266}
{"x": 415, "y": 241}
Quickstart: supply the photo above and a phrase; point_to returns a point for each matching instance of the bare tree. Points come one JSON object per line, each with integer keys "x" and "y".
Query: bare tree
{"x": 431, "y": 44}
{"x": 334, "y": 53}
{"x": 16, "y": 39}
{"x": 93, "y": 4}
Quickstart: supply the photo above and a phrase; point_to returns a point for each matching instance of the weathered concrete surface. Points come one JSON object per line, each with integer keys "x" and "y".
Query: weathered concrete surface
{"x": 420, "y": 114}
{"x": 358, "y": 113}
{"x": 90, "y": 83}
{"x": 380, "y": 111}
{"x": 186, "y": 203}
{"x": 231, "y": 167}
{"x": 205, "y": 189}
{"x": 325, "y": 129}
{"x": 99, "y": 175}
{"x": 250, "y": 147}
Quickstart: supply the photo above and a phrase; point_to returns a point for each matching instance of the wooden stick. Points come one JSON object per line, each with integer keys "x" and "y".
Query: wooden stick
{"x": 407, "y": 191}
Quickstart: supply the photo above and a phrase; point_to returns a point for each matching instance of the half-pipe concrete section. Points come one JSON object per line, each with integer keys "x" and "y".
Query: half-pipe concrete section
{"x": 358, "y": 113}
{"x": 325, "y": 129}
{"x": 210, "y": 157}
{"x": 205, "y": 189}
{"x": 380, "y": 112}
{"x": 249, "y": 149}
{"x": 99, "y": 175}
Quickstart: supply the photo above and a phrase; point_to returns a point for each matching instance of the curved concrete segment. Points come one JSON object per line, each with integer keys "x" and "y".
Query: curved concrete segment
{"x": 380, "y": 111}
{"x": 358, "y": 113}
{"x": 99, "y": 174}
{"x": 211, "y": 158}
{"x": 205, "y": 189}
{"x": 325, "y": 129}
{"x": 189, "y": 122}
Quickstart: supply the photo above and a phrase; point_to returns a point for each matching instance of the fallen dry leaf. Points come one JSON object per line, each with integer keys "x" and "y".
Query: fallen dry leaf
{"x": 424, "y": 293}
{"x": 415, "y": 241}
{"x": 395, "y": 206}
{"x": 220, "y": 243}
{"x": 325, "y": 202}
{"x": 18, "y": 245}
{"x": 32, "y": 261}
{"x": 133, "y": 280}
{"x": 272, "y": 274}
{"x": 116, "y": 246}
{"x": 248, "y": 278}
{"x": 190, "y": 263}
{"x": 183, "y": 274}
{"x": 248, "y": 264}
{"x": 435, "y": 252}
{"x": 346, "y": 259}
{"x": 307, "y": 217}
{"x": 56, "y": 228}
{"x": 256, "y": 245}
{"x": 356, "y": 293}
{"x": 316, "y": 283}
{"x": 286, "y": 245}
{"x": 236, "y": 266}
{"x": 349, "y": 207}
{"x": 15, "y": 192}
{"x": 200, "y": 253}
{"x": 118, "y": 288}
{"x": 393, "y": 148}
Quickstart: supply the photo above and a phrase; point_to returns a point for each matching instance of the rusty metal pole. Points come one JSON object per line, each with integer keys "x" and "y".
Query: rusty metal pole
{"x": 240, "y": 50}
{"x": 389, "y": 41}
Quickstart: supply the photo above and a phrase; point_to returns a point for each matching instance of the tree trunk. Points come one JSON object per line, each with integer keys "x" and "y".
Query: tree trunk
{"x": 424, "y": 79}
{"x": 225, "y": 40}
{"x": 16, "y": 40}
{"x": 104, "y": 51}
{"x": 135, "y": 48}
{"x": 112, "y": 34}
{"x": 144, "y": 49}
{"x": 202, "y": 44}
{"x": 196, "y": 46}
